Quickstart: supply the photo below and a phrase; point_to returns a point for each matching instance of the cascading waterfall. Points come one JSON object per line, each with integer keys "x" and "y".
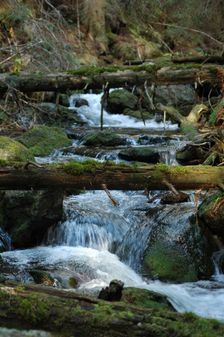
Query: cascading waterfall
{"x": 91, "y": 115}
{"x": 94, "y": 230}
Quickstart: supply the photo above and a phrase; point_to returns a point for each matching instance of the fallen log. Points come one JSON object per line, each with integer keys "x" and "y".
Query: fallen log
{"x": 58, "y": 312}
{"x": 119, "y": 78}
{"x": 216, "y": 59}
{"x": 91, "y": 175}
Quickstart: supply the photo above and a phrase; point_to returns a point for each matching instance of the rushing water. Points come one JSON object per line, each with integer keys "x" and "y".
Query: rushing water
{"x": 94, "y": 234}
{"x": 91, "y": 115}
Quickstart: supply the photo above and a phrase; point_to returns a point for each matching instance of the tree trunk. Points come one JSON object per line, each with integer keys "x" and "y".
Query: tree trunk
{"x": 70, "y": 314}
{"x": 91, "y": 176}
{"x": 62, "y": 82}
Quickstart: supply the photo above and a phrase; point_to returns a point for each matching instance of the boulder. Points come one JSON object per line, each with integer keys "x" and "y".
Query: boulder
{"x": 143, "y": 115}
{"x": 119, "y": 100}
{"x": 190, "y": 155}
{"x": 4, "y": 332}
{"x": 42, "y": 140}
{"x": 27, "y": 215}
{"x": 182, "y": 96}
{"x": 171, "y": 198}
{"x": 177, "y": 250}
{"x": 211, "y": 213}
{"x": 142, "y": 154}
{"x": 103, "y": 138}
{"x": 57, "y": 115}
{"x": 11, "y": 151}
{"x": 166, "y": 243}
{"x": 78, "y": 102}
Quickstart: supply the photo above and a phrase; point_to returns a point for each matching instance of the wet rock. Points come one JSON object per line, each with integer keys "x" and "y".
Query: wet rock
{"x": 113, "y": 292}
{"x": 119, "y": 100}
{"x": 211, "y": 213}
{"x": 142, "y": 154}
{"x": 73, "y": 282}
{"x": 27, "y": 215}
{"x": 174, "y": 248}
{"x": 5, "y": 241}
{"x": 171, "y": 198}
{"x": 182, "y": 96}
{"x": 4, "y": 332}
{"x": 80, "y": 102}
{"x": 142, "y": 115}
{"x": 145, "y": 298}
{"x": 42, "y": 140}
{"x": 190, "y": 155}
{"x": 11, "y": 150}
{"x": 103, "y": 138}
{"x": 148, "y": 140}
{"x": 42, "y": 277}
{"x": 52, "y": 114}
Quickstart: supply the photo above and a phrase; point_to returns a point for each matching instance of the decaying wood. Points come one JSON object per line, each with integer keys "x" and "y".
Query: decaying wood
{"x": 114, "y": 202}
{"x": 63, "y": 81}
{"x": 114, "y": 176}
{"x": 67, "y": 314}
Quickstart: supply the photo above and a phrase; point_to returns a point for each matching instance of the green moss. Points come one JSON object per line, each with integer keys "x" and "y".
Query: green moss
{"x": 76, "y": 168}
{"x": 11, "y": 150}
{"x": 42, "y": 277}
{"x": 73, "y": 282}
{"x": 70, "y": 316}
{"x": 103, "y": 138}
{"x": 42, "y": 140}
{"x": 169, "y": 264}
{"x": 32, "y": 309}
{"x": 145, "y": 298}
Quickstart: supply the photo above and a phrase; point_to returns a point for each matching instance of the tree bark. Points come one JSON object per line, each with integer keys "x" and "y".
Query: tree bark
{"x": 69, "y": 314}
{"x": 91, "y": 177}
{"x": 62, "y": 82}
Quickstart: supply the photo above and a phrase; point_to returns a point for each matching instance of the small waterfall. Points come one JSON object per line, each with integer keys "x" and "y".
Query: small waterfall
{"x": 218, "y": 260}
{"x": 91, "y": 221}
{"x": 91, "y": 115}
{"x": 5, "y": 241}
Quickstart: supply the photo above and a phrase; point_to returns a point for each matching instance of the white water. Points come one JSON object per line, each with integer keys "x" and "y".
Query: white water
{"x": 91, "y": 115}
{"x": 101, "y": 267}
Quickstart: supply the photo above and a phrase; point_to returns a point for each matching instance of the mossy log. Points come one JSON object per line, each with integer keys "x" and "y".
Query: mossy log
{"x": 91, "y": 175}
{"x": 217, "y": 59}
{"x": 68, "y": 314}
{"x": 95, "y": 78}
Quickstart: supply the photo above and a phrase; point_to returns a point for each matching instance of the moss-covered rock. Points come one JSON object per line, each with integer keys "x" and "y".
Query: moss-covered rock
{"x": 211, "y": 213}
{"x": 27, "y": 215}
{"x": 190, "y": 155}
{"x": 42, "y": 277}
{"x": 103, "y": 138}
{"x": 11, "y": 150}
{"x": 51, "y": 114}
{"x": 143, "y": 115}
{"x": 168, "y": 263}
{"x": 119, "y": 100}
{"x": 42, "y": 140}
{"x": 145, "y": 298}
{"x": 142, "y": 154}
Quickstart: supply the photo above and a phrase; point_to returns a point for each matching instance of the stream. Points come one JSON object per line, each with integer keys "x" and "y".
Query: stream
{"x": 98, "y": 242}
